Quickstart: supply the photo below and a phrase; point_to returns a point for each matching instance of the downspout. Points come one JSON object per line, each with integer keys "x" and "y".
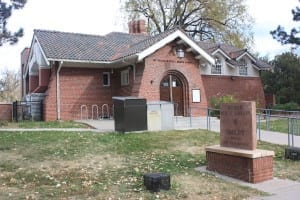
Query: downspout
{"x": 58, "y": 90}
{"x": 133, "y": 67}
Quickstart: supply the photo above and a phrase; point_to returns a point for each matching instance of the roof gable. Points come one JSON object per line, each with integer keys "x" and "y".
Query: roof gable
{"x": 171, "y": 37}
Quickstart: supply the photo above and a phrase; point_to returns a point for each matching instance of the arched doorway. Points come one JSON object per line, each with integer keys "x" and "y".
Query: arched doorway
{"x": 173, "y": 88}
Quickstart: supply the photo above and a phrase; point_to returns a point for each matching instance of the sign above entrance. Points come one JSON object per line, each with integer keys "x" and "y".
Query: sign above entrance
{"x": 171, "y": 61}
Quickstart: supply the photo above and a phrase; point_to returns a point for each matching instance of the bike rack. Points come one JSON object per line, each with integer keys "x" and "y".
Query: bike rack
{"x": 97, "y": 111}
{"x": 82, "y": 107}
{"x": 104, "y": 106}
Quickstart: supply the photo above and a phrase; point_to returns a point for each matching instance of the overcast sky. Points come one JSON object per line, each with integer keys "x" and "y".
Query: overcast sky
{"x": 102, "y": 16}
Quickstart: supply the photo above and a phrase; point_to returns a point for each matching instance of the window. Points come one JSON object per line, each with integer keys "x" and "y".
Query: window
{"x": 106, "y": 78}
{"x": 216, "y": 69}
{"x": 243, "y": 68}
{"x": 125, "y": 77}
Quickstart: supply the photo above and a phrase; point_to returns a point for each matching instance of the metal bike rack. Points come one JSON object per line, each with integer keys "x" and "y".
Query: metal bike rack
{"x": 95, "y": 107}
{"x": 103, "y": 107}
{"x": 82, "y": 107}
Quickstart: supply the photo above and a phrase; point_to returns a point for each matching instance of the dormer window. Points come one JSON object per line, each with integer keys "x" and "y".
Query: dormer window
{"x": 217, "y": 68}
{"x": 243, "y": 68}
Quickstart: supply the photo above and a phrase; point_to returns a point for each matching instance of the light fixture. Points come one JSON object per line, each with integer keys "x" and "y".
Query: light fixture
{"x": 179, "y": 52}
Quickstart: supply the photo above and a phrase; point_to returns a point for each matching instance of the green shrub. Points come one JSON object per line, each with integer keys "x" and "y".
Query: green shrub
{"x": 216, "y": 102}
{"x": 3, "y": 123}
{"x": 291, "y": 106}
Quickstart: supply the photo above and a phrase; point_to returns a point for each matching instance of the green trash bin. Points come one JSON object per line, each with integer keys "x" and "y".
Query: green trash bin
{"x": 130, "y": 114}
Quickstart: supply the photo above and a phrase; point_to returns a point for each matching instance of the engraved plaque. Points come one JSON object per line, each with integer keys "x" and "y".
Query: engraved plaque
{"x": 238, "y": 125}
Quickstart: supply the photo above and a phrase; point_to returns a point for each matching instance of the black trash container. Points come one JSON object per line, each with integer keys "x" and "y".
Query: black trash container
{"x": 130, "y": 114}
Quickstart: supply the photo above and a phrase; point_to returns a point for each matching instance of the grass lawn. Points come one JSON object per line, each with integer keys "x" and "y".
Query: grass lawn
{"x": 279, "y": 125}
{"x": 62, "y": 165}
{"x": 42, "y": 124}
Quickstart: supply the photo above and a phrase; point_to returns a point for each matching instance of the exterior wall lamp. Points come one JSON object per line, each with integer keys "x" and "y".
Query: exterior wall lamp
{"x": 179, "y": 53}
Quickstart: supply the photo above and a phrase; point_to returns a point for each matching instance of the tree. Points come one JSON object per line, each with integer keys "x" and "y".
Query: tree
{"x": 10, "y": 88}
{"x": 282, "y": 36}
{"x": 219, "y": 20}
{"x": 284, "y": 81}
{"x": 6, "y": 10}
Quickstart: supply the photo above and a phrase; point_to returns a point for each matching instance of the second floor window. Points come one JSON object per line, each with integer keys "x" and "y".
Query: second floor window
{"x": 217, "y": 68}
{"x": 243, "y": 68}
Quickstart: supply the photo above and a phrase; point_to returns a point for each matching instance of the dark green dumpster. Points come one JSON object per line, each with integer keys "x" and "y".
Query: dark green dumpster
{"x": 130, "y": 114}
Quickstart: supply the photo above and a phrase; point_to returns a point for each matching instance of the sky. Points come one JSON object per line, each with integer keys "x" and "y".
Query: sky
{"x": 102, "y": 16}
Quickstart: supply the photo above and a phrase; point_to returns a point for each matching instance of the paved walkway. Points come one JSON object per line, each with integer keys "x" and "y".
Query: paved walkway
{"x": 279, "y": 189}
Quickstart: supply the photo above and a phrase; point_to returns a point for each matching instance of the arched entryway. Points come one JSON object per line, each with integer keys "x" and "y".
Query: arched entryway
{"x": 173, "y": 88}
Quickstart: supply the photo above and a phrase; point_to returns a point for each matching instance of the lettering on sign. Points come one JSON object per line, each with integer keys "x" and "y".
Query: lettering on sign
{"x": 238, "y": 125}
{"x": 172, "y": 61}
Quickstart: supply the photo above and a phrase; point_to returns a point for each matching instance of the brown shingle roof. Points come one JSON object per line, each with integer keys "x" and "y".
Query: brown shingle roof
{"x": 94, "y": 48}
{"x": 81, "y": 47}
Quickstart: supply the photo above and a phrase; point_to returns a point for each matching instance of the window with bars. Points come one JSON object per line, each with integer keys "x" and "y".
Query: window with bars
{"x": 217, "y": 68}
{"x": 243, "y": 68}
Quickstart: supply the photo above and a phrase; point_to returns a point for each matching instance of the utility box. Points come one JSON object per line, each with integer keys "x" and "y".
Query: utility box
{"x": 160, "y": 115}
{"x": 130, "y": 114}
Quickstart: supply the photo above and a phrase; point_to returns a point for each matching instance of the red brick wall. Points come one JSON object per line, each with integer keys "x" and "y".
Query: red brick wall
{"x": 81, "y": 86}
{"x": 122, "y": 90}
{"x": 156, "y": 67}
{"x": 78, "y": 86}
{"x": 246, "y": 169}
{"x": 33, "y": 82}
{"x": 270, "y": 100}
{"x": 5, "y": 112}
{"x": 242, "y": 88}
{"x": 50, "y": 112}
{"x": 44, "y": 75}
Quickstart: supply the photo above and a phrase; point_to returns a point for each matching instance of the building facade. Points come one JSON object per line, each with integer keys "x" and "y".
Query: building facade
{"x": 76, "y": 74}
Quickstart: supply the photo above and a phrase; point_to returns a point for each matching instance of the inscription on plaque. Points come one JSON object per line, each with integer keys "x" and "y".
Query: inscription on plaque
{"x": 238, "y": 125}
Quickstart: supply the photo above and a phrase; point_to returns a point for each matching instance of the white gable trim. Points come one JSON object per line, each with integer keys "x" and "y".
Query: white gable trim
{"x": 230, "y": 65}
{"x": 255, "y": 67}
{"x": 246, "y": 54}
{"x": 169, "y": 39}
{"x": 41, "y": 49}
{"x": 221, "y": 52}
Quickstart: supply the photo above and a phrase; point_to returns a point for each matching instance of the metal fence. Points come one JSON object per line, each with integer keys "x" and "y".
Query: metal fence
{"x": 27, "y": 110}
{"x": 275, "y": 126}
{"x": 278, "y": 126}
{"x": 279, "y": 121}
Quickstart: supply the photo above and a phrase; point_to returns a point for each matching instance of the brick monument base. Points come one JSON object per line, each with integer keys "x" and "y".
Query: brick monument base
{"x": 252, "y": 166}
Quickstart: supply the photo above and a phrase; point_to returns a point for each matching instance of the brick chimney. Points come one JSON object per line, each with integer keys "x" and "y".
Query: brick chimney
{"x": 137, "y": 27}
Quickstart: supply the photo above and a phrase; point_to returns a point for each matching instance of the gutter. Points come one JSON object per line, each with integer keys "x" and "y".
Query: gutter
{"x": 58, "y": 90}
{"x": 133, "y": 66}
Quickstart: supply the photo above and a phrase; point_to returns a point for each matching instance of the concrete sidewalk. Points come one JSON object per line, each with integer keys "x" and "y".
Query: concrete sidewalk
{"x": 278, "y": 138}
{"x": 278, "y": 189}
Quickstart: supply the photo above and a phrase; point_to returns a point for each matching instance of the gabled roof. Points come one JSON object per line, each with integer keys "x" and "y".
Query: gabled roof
{"x": 74, "y": 47}
{"x": 234, "y": 53}
{"x": 109, "y": 48}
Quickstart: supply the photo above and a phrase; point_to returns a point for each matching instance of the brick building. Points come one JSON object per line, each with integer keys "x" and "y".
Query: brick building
{"x": 72, "y": 71}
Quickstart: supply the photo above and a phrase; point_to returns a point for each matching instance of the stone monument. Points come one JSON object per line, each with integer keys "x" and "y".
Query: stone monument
{"x": 237, "y": 156}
